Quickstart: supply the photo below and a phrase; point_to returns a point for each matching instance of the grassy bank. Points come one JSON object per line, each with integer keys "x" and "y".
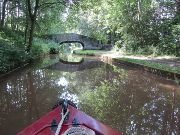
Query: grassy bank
{"x": 85, "y": 52}
{"x": 155, "y": 65}
{"x": 151, "y": 64}
{"x": 91, "y": 52}
{"x": 12, "y": 50}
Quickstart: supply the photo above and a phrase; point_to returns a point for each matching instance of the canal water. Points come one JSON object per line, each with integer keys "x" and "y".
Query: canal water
{"x": 127, "y": 99}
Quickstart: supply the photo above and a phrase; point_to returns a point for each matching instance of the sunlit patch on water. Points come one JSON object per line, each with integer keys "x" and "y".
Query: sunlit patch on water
{"x": 68, "y": 96}
{"x": 9, "y": 87}
{"x": 62, "y": 82}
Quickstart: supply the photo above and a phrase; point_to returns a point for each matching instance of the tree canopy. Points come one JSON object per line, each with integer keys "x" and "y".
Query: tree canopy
{"x": 135, "y": 26}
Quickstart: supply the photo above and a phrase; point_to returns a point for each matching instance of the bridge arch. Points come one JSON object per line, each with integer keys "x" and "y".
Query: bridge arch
{"x": 72, "y": 42}
{"x": 88, "y": 43}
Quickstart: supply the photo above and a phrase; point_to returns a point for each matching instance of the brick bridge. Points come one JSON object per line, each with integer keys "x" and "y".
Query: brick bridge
{"x": 87, "y": 42}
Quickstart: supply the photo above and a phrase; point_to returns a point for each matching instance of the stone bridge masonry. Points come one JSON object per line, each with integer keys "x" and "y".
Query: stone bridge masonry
{"x": 87, "y": 42}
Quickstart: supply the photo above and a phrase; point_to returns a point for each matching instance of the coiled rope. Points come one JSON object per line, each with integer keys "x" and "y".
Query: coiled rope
{"x": 79, "y": 131}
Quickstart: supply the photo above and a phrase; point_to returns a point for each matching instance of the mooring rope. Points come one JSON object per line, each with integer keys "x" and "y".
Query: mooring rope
{"x": 61, "y": 122}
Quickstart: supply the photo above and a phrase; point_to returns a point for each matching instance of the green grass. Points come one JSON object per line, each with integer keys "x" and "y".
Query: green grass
{"x": 85, "y": 52}
{"x": 154, "y": 65}
{"x": 147, "y": 63}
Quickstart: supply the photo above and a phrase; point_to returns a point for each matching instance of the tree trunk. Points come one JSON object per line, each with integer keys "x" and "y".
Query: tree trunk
{"x": 0, "y": 11}
{"x": 26, "y": 31}
{"x": 178, "y": 6}
{"x": 31, "y": 33}
{"x": 139, "y": 10}
{"x": 33, "y": 16}
{"x": 3, "y": 12}
{"x": 13, "y": 28}
{"x": 177, "y": 16}
{"x": 18, "y": 14}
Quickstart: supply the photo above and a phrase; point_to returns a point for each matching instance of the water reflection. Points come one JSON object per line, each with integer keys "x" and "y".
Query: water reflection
{"x": 136, "y": 104}
{"x": 131, "y": 101}
{"x": 75, "y": 64}
{"x": 70, "y": 59}
{"x": 72, "y": 97}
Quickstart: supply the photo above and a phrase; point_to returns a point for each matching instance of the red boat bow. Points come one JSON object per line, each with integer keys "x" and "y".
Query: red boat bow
{"x": 44, "y": 125}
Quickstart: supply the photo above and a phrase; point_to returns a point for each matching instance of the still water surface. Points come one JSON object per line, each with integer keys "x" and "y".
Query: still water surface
{"x": 127, "y": 99}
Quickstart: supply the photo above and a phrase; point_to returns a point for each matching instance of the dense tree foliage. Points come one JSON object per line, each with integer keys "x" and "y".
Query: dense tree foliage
{"x": 25, "y": 15}
{"x": 134, "y": 24}
{"x": 20, "y": 22}
{"x": 145, "y": 26}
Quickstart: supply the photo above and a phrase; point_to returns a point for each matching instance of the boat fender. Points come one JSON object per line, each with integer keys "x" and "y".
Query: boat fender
{"x": 65, "y": 106}
{"x": 61, "y": 101}
{"x": 75, "y": 122}
{"x": 54, "y": 125}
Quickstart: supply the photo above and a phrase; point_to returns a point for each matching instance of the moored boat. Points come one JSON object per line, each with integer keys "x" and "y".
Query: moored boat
{"x": 66, "y": 119}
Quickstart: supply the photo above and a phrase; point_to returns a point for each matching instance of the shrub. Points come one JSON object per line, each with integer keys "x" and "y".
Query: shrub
{"x": 53, "y": 50}
{"x": 11, "y": 57}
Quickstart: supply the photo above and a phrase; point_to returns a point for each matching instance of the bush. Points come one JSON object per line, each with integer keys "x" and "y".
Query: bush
{"x": 12, "y": 50}
{"x": 170, "y": 42}
{"x": 118, "y": 44}
{"x": 11, "y": 57}
{"x": 45, "y": 45}
{"x": 15, "y": 38}
{"x": 53, "y": 51}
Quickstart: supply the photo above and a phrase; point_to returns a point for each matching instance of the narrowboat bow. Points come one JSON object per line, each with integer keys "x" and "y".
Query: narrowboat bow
{"x": 66, "y": 119}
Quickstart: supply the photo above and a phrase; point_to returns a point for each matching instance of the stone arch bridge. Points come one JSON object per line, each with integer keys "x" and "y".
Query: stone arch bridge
{"x": 87, "y": 42}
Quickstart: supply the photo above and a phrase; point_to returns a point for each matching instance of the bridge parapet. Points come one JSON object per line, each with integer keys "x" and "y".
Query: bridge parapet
{"x": 87, "y": 42}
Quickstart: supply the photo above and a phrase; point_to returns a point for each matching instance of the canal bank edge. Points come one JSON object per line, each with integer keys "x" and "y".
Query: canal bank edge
{"x": 13, "y": 70}
{"x": 160, "y": 72}
{"x": 23, "y": 65}
{"x": 117, "y": 60}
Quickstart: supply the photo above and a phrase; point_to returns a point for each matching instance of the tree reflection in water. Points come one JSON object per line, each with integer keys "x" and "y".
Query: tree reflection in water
{"x": 135, "y": 103}
{"x": 129, "y": 100}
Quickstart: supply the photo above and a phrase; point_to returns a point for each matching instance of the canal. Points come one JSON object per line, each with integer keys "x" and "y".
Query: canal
{"x": 127, "y": 99}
